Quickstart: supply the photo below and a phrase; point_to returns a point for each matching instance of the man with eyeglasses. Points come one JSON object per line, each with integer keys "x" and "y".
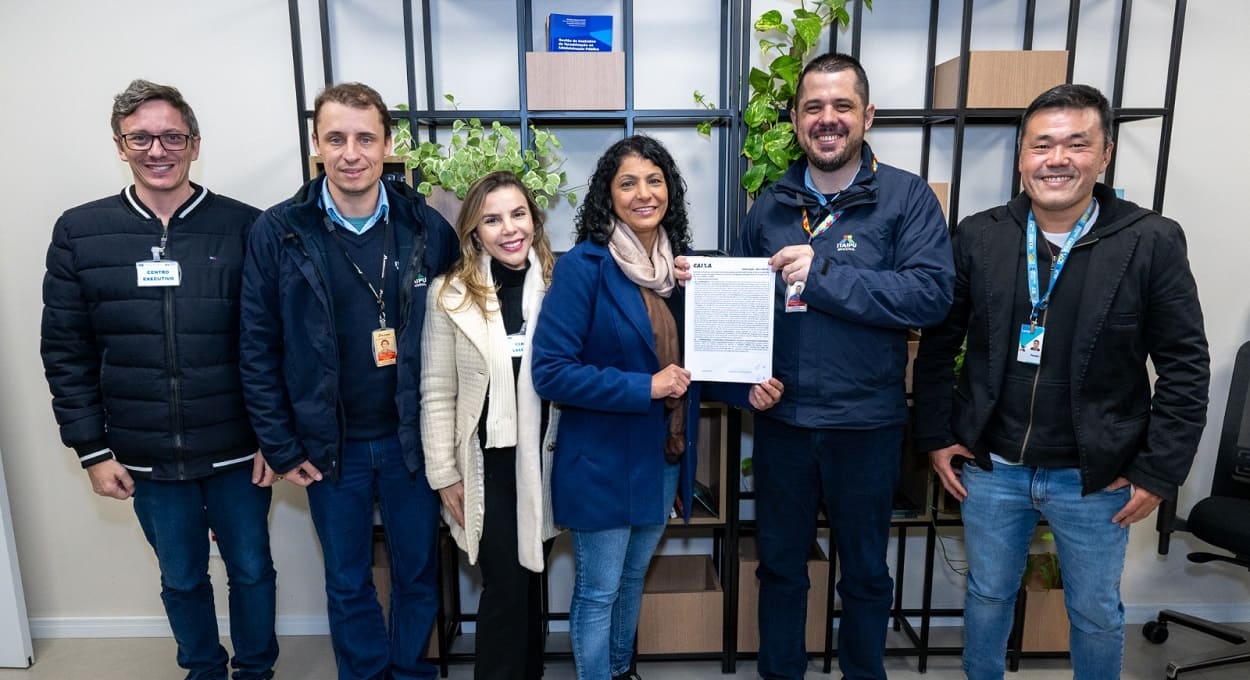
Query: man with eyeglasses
{"x": 140, "y": 348}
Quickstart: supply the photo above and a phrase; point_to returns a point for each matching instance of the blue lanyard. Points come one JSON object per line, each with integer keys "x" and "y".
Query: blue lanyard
{"x": 1041, "y": 301}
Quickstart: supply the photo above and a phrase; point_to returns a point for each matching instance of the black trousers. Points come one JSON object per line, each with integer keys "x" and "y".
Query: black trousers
{"x": 509, "y": 613}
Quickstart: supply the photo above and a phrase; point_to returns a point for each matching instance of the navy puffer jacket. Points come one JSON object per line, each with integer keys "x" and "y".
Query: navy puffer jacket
{"x": 150, "y": 375}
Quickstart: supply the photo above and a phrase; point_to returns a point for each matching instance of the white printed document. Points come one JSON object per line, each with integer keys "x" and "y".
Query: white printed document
{"x": 729, "y": 319}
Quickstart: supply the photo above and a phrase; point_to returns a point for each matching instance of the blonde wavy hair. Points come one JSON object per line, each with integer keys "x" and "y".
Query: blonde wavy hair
{"x": 468, "y": 268}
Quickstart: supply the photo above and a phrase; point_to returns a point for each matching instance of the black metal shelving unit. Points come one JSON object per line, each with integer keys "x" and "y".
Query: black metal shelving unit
{"x": 737, "y": 44}
{"x": 431, "y": 120}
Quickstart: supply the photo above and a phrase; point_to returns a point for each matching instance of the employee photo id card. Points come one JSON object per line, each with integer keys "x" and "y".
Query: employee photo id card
{"x": 794, "y": 299}
{"x": 1031, "y": 340}
{"x": 384, "y": 351}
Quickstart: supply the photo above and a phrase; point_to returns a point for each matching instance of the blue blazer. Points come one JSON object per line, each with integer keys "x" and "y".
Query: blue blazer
{"x": 594, "y": 354}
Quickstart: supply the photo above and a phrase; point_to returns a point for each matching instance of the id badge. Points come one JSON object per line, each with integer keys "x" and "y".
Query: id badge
{"x": 384, "y": 348}
{"x": 793, "y": 301}
{"x": 1031, "y": 341}
{"x": 158, "y": 273}
{"x": 516, "y": 345}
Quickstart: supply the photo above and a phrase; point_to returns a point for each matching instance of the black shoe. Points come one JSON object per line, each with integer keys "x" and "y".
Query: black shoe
{"x": 628, "y": 675}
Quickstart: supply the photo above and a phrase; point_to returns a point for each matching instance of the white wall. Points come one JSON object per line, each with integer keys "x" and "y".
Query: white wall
{"x": 86, "y": 566}
{"x": 83, "y": 557}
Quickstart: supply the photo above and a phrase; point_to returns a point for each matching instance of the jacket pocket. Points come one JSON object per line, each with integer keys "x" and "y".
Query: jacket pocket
{"x": 1124, "y": 320}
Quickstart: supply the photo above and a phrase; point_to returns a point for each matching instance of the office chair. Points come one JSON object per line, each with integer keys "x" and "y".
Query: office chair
{"x": 1221, "y": 519}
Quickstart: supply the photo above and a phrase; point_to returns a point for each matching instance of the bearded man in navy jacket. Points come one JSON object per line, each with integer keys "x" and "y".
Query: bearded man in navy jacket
{"x": 862, "y": 255}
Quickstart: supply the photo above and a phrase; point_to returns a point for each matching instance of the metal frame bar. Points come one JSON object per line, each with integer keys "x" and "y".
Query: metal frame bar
{"x": 297, "y": 61}
{"x": 1169, "y": 104}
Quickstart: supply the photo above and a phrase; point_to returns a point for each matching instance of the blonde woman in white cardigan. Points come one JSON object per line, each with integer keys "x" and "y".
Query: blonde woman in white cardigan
{"x": 482, "y": 424}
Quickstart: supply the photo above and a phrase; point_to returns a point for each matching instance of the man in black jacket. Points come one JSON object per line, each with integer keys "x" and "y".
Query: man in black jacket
{"x": 140, "y": 348}
{"x": 1061, "y": 296}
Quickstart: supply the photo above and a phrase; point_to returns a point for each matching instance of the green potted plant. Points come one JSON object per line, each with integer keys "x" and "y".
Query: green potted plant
{"x": 769, "y": 145}
{"x": 475, "y": 150}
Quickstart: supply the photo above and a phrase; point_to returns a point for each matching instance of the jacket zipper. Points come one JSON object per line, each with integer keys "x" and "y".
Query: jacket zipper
{"x": 410, "y": 276}
{"x": 171, "y": 359}
{"x": 298, "y": 240}
{"x": 1037, "y": 375}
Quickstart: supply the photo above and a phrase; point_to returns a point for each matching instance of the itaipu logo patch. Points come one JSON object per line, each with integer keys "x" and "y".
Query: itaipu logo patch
{"x": 847, "y": 244}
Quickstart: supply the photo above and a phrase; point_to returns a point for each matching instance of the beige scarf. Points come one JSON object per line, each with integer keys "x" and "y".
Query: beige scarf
{"x": 652, "y": 270}
{"x": 653, "y": 273}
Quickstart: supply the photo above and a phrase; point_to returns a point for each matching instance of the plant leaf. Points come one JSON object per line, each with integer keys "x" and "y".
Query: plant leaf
{"x": 753, "y": 145}
{"x": 777, "y": 151}
{"x": 787, "y": 68}
{"x": 769, "y": 21}
{"x": 807, "y": 28}
{"x": 753, "y": 178}
{"x": 759, "y": 80}
{"x": 759, "y": 112}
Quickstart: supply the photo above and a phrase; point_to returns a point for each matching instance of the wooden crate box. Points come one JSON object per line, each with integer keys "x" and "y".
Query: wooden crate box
{"x": 749, "y": 597}
{"x": 682, "y": 606}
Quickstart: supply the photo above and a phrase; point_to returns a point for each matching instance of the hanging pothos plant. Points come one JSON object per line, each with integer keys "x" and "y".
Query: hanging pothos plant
{"x": 770, "y": 145}
{"x": 474, "y": 151}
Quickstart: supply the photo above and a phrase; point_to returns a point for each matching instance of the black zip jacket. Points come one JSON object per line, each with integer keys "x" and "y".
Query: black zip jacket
{"x": 290, "y": 362}
{"x": 1137, "y": 300}
{"x": 149, "y": 376}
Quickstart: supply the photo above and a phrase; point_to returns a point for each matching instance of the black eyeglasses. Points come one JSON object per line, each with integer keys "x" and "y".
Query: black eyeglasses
{"x": 142, "y": 141}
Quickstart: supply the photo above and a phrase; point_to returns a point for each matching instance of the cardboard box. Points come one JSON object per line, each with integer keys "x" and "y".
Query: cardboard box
{"x": 943, "y": 192}
{"x": 591, "y": 81}
{"x": 749, "y": 597}
{"x": 682, "y": 606}
{"x": 1045, "y": 621}
{"x": 382, "y": 583}
{"x": 913, "y": 346}
{"x": 1000, "y": 79}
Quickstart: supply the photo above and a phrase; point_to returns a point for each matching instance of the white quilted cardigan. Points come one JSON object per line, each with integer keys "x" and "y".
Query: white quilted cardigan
{"x": 465, "y": 356}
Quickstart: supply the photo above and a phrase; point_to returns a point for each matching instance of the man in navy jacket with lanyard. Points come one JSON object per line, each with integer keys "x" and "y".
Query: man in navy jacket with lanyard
{"x": 333, "y": 304}
{"x": 140, "y": 347}
{"x": 862, "y": 255}
{"x": 1062, "y": 295}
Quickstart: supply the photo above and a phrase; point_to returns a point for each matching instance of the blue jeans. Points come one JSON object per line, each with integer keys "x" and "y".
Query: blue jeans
{"x": 609, "y": 568}
{"x": 1002, "y": 509}
{"x": 342, "y": 511}
{"x": 176, "y": 517}
{"x": 854, "y": 473}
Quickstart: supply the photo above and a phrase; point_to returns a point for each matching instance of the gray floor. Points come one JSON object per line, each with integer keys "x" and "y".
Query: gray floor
{"x": 310, "y": 658}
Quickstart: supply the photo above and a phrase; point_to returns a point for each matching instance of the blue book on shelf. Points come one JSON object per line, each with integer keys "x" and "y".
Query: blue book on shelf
{"x": 579, "y": 33}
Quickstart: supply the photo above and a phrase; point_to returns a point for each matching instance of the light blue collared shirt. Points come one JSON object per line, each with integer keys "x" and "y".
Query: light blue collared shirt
{"x": 356, "y": 225}
{"x": 824, "y": 200}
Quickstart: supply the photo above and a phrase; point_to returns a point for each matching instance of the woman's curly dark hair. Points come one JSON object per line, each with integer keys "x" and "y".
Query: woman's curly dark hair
{"x": 595, "y": 218}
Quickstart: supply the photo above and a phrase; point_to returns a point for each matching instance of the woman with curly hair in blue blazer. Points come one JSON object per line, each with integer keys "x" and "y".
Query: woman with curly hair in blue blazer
{"x": 608, "y": 349}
